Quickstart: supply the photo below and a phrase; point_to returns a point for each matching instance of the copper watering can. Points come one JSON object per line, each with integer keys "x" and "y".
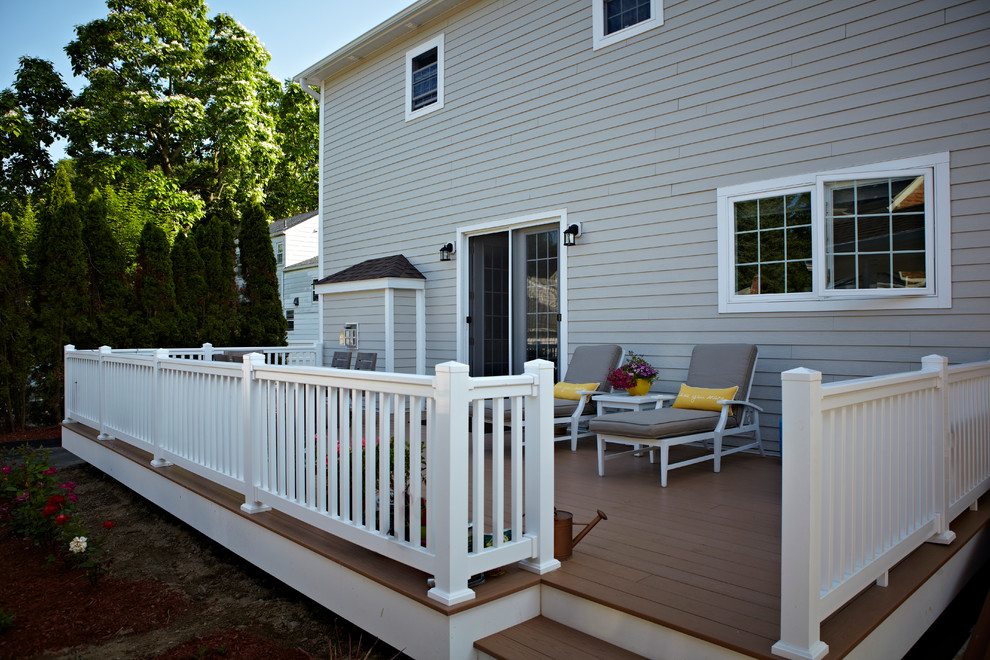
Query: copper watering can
{"x": 563, "y": 525}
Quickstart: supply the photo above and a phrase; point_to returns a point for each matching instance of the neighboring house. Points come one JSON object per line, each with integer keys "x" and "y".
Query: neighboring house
{"x": 295, "y": 242}
{"x": 809, "y": 176}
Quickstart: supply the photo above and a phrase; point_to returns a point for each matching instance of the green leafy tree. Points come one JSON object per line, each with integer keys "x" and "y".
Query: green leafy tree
{"x": 15, "y": 356}
{"x": 262, "y": 322}
{"x": 154, "y": 290}
{"x": 215, "y": 240}
{"x": 185, "y": 95}
{"x": 109, "y": 283}
{"x": 28, "y": 127}
{"x": 190, "y": 289}
{"x": 61, "y": 292}
{"x": 293, "y": 188}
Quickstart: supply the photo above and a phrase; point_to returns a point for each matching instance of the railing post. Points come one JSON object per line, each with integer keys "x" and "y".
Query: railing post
{"x": 318, "y": 350}
{"x": 449, "y": 490}
{"x": 940, "y": 448}
{"x": 158, "y": 404}
{"x": 538, "y": 458}
{"x": 207, "y": 352}
{"x": 250, "y": 408}
{"x": 66, "y": 417}
{"x": 102, "y": 389}
{"x": 800, "y": 551}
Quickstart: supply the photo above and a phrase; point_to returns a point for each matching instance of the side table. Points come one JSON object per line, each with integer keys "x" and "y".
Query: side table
{"x": 622, "y": 401}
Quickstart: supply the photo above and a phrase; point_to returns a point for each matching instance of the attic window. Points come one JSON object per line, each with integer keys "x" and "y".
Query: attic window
{"x": 617, "y": 20}
{"x": 424, "y": 78}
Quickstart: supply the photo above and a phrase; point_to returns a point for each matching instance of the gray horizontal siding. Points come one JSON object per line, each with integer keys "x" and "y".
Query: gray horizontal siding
{"x": 633, "y": 141}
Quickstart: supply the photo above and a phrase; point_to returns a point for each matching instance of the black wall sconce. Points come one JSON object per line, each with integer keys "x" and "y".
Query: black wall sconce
{"x": 571, "y": 234}
{"x": 446, "y": 251}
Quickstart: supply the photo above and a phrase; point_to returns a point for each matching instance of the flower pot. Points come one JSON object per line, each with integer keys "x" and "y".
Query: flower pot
{"x": 642, "y": 387}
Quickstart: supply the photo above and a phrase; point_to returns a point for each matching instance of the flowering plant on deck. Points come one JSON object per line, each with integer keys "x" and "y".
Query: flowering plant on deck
{"x": 635, "y": 368}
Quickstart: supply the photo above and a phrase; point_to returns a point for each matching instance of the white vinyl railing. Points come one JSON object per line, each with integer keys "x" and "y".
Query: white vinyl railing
{"x": 395, "y": 463}
{"x": 873, "y": 468}
{"x": 300, "y": 355}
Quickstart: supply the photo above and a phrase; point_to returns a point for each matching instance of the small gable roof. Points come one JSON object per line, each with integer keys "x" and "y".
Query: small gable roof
{"x": 279, "y": 226}
{"x": 396, "y": 266}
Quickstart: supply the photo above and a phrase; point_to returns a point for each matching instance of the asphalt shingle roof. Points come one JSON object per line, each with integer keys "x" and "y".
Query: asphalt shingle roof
{"x": 279, "y": 226}
{"x": 372, "y": 269}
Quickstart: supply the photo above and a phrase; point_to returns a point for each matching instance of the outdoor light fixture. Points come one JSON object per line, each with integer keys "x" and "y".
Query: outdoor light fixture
{"x": 571, "y": 234}
{"x": 446, "y": 251}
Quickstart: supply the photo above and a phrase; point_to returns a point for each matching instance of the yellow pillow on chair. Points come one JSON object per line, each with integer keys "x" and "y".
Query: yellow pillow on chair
{"x": 572, "y": 391}
{"x": 700, "y": 398}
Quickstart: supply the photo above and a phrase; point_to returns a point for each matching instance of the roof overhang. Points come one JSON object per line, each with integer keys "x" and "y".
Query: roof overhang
{"x": 378, "y": 284}
{"x": 403, "y": 23}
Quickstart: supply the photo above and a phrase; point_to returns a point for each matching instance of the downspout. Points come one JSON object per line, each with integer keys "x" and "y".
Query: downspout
{"x": 306, "y": 88}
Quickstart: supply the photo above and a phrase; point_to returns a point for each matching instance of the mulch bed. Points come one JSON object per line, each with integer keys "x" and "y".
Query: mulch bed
{"x": 36, "y": 436}
{"x": 55, "y": 606}
{"x": 232, "y": 644}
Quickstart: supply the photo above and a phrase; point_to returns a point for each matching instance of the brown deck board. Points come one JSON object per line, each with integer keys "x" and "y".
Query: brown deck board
{"x": 701, "y": 556}
{"x": 542, "y": 638}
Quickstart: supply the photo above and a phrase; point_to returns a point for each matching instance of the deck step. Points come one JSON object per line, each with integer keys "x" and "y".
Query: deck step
{"x": 541, "y": 637}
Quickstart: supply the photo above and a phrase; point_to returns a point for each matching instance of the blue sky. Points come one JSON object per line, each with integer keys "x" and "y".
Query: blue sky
{"x": 297, "y": 33}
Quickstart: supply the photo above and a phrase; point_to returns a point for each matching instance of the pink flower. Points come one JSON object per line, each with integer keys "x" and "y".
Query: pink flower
{"x": 50, "y": 470}
{"x": 69, "y": 485}
{"x": 73, "y": 498}
{"x": 7, "y": 469}
{"x": 61, "y": 519}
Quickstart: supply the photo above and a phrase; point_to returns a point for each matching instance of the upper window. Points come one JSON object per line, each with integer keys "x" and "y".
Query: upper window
{"x": 424, "y": 78}
{"x": 279, "y": 253}
{"x": 861, "y": 238}
{"x": 615, "y": 20}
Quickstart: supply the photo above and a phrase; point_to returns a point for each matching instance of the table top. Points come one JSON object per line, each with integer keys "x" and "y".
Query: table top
{"x": 624, "y": 397}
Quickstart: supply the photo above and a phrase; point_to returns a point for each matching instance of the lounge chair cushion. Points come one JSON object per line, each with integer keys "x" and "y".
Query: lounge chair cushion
{"x": 592, "y": 363}
{"x": 701, "y": 398}
{"x": 718, "y": 365}
{"x": 655, "y": 424}
{"x": 572, "y": 391}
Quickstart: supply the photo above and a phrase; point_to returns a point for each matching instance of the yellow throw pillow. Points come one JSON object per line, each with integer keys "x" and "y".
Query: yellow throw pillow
{"x": 572, "y": 391}
{"x": 699, "y": 398}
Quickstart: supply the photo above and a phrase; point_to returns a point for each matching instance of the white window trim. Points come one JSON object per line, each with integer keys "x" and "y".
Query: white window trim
{"x": 938, "y": 259}
{"x": 436, "y": 42}
{"x": 601, "y": 40}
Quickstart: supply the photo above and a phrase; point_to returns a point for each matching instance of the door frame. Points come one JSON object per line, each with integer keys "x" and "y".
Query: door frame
{"x": 464, "y": 234}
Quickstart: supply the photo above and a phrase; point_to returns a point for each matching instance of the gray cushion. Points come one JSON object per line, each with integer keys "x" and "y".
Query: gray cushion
{"x": 592, "y": 364}
{"x": 722, "y": 365}
{"x": 655, "y": 424}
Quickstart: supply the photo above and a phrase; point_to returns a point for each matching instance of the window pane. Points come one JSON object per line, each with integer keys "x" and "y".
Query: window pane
{"x": 771, "y": 212}
{"x": 746, "y": 280}
{"x": 621, "y": 14}
{"x": 874, "y": 221}
{"x": 747, "y": 248}
{"x": 909, "y": 269}
{"x": 771, "y": 245}
{"x": 772, "y": 278}
{"x": 798, "y": 277}
{"x": 424, "y": 79}
{"x": 799, "y": 243}
{"x": 798, "y": 209}
{"x": 746, "y": 213}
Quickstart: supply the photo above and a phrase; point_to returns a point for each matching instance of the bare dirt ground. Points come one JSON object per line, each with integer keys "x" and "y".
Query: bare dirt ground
{"x": 169, "y": 592}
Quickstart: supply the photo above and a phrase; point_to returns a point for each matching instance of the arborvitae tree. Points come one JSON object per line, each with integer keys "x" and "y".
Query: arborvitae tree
{"x": 61, "y": 292}
{"x": 109, "y": 291}
{"x": 190, "y": 289}
{"x": 262, "y": 322}
{"x": 215, "y": 240}
{"x": 26, "y": 228}
{"x": 15, "y": 354}
{"x": 154, "y": 290}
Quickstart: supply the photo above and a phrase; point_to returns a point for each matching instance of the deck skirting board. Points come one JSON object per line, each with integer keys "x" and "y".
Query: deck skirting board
{"x": 901, "y": 630}
{"x": 627, "y": 631}
{"x": 418, "y": 630}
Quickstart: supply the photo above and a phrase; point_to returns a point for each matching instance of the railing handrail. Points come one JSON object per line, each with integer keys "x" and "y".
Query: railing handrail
{"x": 807, "y": 597}
{"x": 232, "y": 393}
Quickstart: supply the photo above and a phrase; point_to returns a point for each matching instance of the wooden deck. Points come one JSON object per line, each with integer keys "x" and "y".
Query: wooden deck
{"x": 700, "y": 557}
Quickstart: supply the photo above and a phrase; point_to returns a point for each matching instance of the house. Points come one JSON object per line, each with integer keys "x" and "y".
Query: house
{"x": 294, "y": 241}
{"x": 811, "y": 177}
{"x": 503, "y": 181}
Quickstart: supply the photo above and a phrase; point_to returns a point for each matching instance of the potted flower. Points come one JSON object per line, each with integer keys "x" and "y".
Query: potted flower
{"x": 635, "y": 376}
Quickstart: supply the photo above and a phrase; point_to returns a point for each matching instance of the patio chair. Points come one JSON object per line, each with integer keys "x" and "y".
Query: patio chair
{"x": 722, "y": 366}
{"x": 341, "y": 360}
{"x": 589, "y": 364}
{"x": 366, "y": 361}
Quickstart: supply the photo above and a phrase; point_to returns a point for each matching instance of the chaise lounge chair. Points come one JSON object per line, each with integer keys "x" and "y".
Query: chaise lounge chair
{"x": 589, "y": 365}
{"x": 712, "y": 366}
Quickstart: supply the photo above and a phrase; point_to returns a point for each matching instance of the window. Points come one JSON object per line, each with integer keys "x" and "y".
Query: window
{"x": 290, "y": 317}
{"x": 279, "y": 253}
{"x": 616, "y": 20}
{"x": 424, "y": 78}
{"x": 872, "y": 237}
